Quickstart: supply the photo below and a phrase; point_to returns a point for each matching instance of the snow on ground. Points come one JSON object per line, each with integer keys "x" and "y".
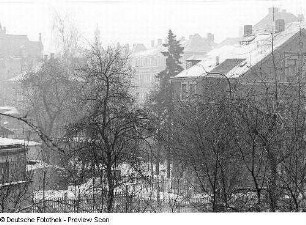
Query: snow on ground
{"x": 9, "y": 141}
{"x": 54, "y": 194}
{"x": 9, "y": 110}
{"x": 13, "y": 183}
{"x": 139, "y": 188}
{"x": 41, "y": 165}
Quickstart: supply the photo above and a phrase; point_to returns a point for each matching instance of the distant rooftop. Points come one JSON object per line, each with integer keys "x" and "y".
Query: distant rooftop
{"x": 199, "y": 44}
{"x": 138, "y": 48}
{"x": 265, "y": 23}
{"x": 247, "y": 55}
{"x": 149, "y": 52}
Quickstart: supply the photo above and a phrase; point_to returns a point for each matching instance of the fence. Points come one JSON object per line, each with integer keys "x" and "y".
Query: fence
{"x": 123, "y": 203}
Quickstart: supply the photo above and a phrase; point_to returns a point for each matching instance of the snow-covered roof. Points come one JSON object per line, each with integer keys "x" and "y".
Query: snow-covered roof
{"x": 196, "y": 57}
{"x": 150, "y": 52}
{"x": 257, "y": 49}
{"x": 9, "y": 141}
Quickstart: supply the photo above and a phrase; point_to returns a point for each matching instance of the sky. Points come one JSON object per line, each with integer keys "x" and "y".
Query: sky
{"x": 137, "y": 21}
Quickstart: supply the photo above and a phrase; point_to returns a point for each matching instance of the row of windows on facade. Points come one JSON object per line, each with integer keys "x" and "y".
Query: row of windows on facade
{"x": 145, "y": 78}
{"x": 293, "y": 65}
{"x": 149, "y": 61}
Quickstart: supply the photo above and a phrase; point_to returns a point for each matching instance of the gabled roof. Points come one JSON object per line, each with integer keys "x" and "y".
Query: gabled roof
{"x": 250, "y": 53}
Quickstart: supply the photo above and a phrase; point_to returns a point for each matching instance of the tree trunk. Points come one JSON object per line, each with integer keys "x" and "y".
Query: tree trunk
{"x": 168, "y": 164}
{"x": 272, "y": 182}
{"x": 110, "y": 181}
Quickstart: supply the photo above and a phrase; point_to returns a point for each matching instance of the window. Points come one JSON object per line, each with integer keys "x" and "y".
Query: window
{"x": 147, "y": 62}
{"x": 4, "y": 172}
{"x": 184, "y": 91}
{"x": 188, "y": 89}
{"x": 154, "y": 61}
{"x": 292, "y": 63}
{"x": 192, "y": 89}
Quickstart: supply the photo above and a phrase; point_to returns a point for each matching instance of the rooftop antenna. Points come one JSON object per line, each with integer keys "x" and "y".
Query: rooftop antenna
{"x": 301, "y": 9}
{"x": 273, "y": 59}
{"x": 273, "y": 20}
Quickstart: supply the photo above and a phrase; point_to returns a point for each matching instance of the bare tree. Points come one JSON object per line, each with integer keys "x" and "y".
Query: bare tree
{"x": 111, "y": 127}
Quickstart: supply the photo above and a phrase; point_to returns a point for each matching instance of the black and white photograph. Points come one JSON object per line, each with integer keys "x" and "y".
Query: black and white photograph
{"x": 166, "y": 107}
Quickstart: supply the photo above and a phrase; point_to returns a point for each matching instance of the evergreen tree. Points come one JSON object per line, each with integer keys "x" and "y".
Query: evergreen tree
{"x": 173, "y": 67}
{"x": 162, "y": 98}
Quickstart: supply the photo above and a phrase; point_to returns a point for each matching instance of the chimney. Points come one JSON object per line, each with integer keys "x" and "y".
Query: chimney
{"x": 152, "y": 43}
{"x": 247, "y": 31}
{"x": 159, "y": 41}
{"x": 39, "y": 37}
{"x": 45, "y": 58}
{"x": 210, "y": 37}
{"x": 217, "y": 60}
{"x": 52, "y": 56}
{"x": 279, "y": 25}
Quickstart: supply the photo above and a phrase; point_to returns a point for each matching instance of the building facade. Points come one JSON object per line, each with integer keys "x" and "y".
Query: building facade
{"x": 17, "y": 55}
{"x": 249, "y": 62}
{"x": 149, "y": 62}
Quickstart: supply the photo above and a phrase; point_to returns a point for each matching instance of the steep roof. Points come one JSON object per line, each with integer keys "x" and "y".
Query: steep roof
{"x": 257, "y": 49}
{"x": 226, "y": 66}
